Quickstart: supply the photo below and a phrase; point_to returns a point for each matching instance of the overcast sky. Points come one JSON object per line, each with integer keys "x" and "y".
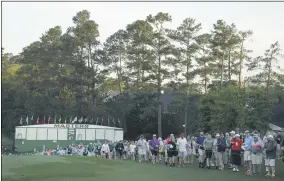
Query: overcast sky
{"x": 23, "y": 23}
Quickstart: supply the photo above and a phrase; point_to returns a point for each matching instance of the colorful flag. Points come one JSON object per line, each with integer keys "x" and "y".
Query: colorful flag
{"x": 27, "y": 120}
{"x": 37, "y": 120}
{"x": 21, "y": 121}
{"x": 49, "y": 119}
{"x": 59, "y": 121}
{"x": 80, "y": 120}
{"x": 65, "y": 121}
{"x": 43, "y": 120}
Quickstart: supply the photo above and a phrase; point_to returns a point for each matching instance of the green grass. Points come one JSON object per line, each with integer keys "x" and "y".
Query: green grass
{"x": 71, "y": 168}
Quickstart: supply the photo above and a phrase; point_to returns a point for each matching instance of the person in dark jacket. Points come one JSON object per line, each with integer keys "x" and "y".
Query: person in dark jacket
{"x": 270, "y": 149}
{"x": 221, "y": 148}
{"x": 280, "y": 140}
{"x": 119, "y": 149}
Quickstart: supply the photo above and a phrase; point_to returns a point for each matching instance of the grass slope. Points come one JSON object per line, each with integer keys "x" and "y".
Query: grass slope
{"x": 71, "y": 168}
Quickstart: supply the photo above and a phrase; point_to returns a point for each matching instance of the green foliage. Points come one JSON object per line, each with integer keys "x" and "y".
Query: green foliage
{"x": 73, "y": 74}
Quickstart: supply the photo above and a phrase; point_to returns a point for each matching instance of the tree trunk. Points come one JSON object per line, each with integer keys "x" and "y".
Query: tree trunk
{"x": 241, "y": 64}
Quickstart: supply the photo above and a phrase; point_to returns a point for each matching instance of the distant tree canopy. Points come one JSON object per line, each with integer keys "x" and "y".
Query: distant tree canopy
{"x": 70, "y": 74}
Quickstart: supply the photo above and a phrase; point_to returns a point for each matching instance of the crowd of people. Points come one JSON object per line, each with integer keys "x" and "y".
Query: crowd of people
{"x": 229, "y": 150}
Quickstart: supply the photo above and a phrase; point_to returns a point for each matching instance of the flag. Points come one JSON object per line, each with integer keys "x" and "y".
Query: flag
{"x": 113, "y": 121}
{"x": 97, "y": 121}
{"x": 102, "y": 121}
{"x": 37, "y": 120}
{"x": 43, "y": 120}
{"x": 70, "y": 120}
{"x": 21, "y": 121}
{"x": 27, "y": 120}
{"x": 74, "y": 120}
{"x": 49, "y": 119}
{"x": 59, "y": 121}
{"x": 86, "y": 120}
{"x": 118, "y": 121}
{"x": 65, "y": 121}
{"x": 108, "y": 121}
{"x": 32, "y": 118}
{"x": 80, "y": 120}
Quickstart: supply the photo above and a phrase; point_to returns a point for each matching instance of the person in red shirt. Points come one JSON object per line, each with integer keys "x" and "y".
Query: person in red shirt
{"x": 236, "y": 143}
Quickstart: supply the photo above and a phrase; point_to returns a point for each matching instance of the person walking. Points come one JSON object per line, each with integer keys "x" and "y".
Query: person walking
{"x": 182, "y": 145}
{"x": 154, "y": 148}
{"x": 172, "y": 150}
{"x": 199, "y": 141}
{"x": 142, "y": 149}
{"x": 208, "y": 147}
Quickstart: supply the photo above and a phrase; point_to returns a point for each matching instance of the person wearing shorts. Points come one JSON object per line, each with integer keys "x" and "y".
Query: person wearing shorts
{"x": 182, "y": 146}
{"x": 208, "y": 146}
{"x": 172, "y": 150}
{"x": 256, "y": 155}
{"x": 247, "y": 152}
{"x": 154, "y": 148}
{"x": 270, "y": 148}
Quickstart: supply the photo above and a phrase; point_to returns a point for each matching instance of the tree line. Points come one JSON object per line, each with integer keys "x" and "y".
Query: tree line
{"x": 73, "y": 74}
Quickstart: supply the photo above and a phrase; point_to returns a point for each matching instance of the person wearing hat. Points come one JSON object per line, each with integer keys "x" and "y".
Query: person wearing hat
{"x": 236, "y": 152}
{"x": 182, "y": 146}
{"x": 220, "y": 154}
{"x": 270, "y": 148}
{"x": 256, "y": 155}
{"x": 154, "y": 148}
{"x": 247, "y": 151}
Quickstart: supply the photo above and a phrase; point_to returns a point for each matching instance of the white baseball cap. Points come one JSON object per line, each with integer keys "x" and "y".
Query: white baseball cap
{"x": 217, "y": 134}
{"x": 233, "y": 132}
{"x": 237, "y": 135}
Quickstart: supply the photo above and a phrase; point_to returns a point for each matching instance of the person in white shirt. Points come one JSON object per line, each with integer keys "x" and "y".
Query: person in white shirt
{"x": 142, "y": 148}
{"x": 132, "y": 148}
{"x": 182, "y": 145}
{"x": 105, "y": 149}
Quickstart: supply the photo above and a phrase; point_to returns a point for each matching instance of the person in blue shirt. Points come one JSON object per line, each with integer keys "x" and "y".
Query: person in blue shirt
{"x": 199, "y": 141}
{"x": 247, "y": 151}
